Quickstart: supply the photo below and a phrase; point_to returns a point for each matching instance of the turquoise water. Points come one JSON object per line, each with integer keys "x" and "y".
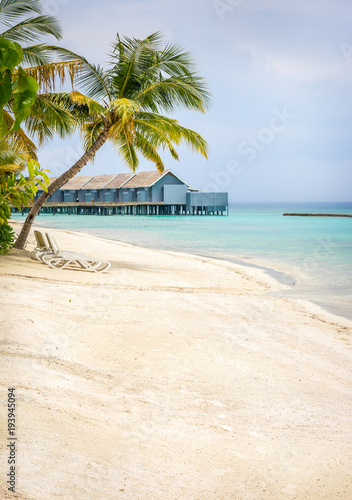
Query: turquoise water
{"x": 313, "y": 255}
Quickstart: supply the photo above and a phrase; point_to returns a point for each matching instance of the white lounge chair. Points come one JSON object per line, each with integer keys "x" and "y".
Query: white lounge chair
{"x": 59, "y": 259}
{"x": 42, "y": 247}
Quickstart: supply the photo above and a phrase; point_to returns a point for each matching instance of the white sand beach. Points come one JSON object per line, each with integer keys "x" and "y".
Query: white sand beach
{"x": 170, "y": 376}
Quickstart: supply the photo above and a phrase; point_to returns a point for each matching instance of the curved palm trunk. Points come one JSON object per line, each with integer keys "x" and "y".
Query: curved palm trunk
{"x": 66, "y": 176}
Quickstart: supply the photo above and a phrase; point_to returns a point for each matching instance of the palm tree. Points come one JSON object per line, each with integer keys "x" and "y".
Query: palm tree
{"x": 23, "y": 21}
{"x": 122, "y": 105}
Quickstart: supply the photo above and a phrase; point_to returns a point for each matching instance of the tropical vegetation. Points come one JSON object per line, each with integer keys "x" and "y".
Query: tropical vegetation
{"x": 18, "y": 190}
{"x": 19, "y": 90}
{"x": 24, "y": 21}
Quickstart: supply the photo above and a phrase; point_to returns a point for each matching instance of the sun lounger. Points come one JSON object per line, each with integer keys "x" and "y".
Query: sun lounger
{"x": 42, "y": 247}
{"x": 59, "y": 259}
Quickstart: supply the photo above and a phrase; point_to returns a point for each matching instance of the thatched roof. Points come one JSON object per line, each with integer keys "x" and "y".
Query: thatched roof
{"x": 140, "y": 180}
{"x": 148, "y": 179}
{"x": 76, "y": 182}
{"x": 118, "y": 181}
{"x": 143, "y": 179}
{"x": 98, "y": 181}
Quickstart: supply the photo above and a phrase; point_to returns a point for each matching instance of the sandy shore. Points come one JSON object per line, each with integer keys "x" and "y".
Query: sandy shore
{"x": 170, "y": 377}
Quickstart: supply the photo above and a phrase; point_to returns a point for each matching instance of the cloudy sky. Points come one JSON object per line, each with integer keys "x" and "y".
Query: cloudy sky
{"x": 280, "y": 71}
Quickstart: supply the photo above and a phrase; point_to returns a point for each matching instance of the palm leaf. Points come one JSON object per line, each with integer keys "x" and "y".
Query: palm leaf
{"x": 36, "y": 55}
{"x": 19, "y": 136}
{"x": 149, "y": 152}
{"x": 12, "y": 157}
{"x": 127, "y": 151}
{"x": 78, "y": 111}
{"x": 133, "y": 53}
{"x": 173, "y": 61}
{"x": 48, "y": 118}
{"x": 158, "y": 135}
{"x": 94, "y": 108}
{"x": 194, "y": 141}
{"x": 164, "y": 132}
{"x": 11, "y": 10}
{"x": 93, "y": 81}
{"x": 90, "y": 132}
{"x": 47, "y": 75}
{"x": 122, "y": 112}
{"x": 174, "y": 93}
{"x": 30, "y": 29}
{"x": 130, "y": 58}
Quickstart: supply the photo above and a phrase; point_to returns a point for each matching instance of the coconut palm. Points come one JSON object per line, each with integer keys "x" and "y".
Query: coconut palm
{"x": 122, "y": 104}
{"x": 23, "y": 21}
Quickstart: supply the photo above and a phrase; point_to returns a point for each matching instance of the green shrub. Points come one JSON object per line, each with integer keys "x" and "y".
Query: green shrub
{"x": 7, "y": 238}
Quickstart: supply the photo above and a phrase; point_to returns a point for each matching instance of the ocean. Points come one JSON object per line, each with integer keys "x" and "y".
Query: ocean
{"x": 312, "y": 255}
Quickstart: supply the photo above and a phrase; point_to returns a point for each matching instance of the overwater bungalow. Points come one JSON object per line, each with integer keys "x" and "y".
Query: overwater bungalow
{"x": 144, "y": 193}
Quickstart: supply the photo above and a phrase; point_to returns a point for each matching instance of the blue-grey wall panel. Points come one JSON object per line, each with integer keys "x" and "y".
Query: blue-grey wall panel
{"x": 158, "y": 188}
{"x": 175, "y": 194}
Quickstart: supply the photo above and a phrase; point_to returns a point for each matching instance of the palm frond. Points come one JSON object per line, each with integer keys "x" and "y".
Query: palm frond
{"x": 130, "y": 57}
{"x": 12, "y": 10}
{"x": 48, "y": 75}
{"x": 20, "y": 137}
{"x": 174, "y": 93}
{"x": 149, "y": 152}
{"x": 158, "y": 133}
{"x": 123, "y": 110}
{"x": 94, "y": 108}
{"x": 93, "y": 80}
{"x": 194, "y": 141}
{"x": 30, "y": 29}
{"x": 36, "y": 55}
{"x": 126, "y": 48}
{"x": 164, "y": 132}
{"x": 12, "y": 157}
{"x": 135, "y": 52}
{"x": 79, "y": 112}
{"x": 127, "y": 151}
{"x": 173, "y": 61}
{"x": 48, "y": 118}
{"x": 121, "y": 114}
{"x": 90, "y": 132}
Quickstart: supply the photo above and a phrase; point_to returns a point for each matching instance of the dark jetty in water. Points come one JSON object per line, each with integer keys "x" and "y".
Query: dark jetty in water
{"x": 319, "y": 215}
